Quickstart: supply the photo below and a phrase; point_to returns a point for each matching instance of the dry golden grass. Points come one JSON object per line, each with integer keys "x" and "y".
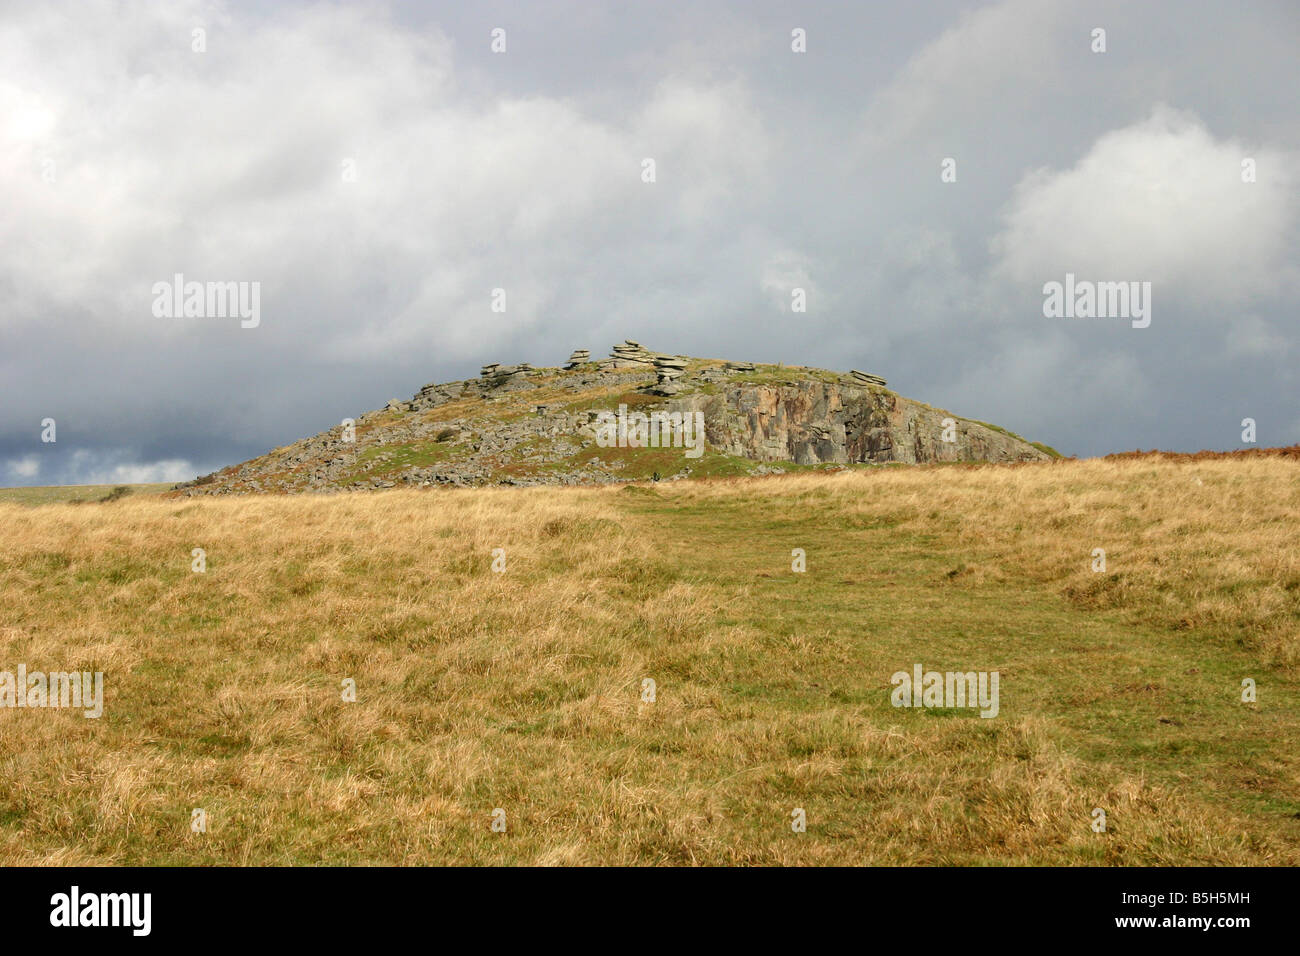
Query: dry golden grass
{"x": 521, "y": 690}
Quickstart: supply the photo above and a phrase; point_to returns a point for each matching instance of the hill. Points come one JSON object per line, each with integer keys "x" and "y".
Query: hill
{"x": 52, "y": 494}
{"x": 521, "y": 425}
{"x": 524, "y": 689}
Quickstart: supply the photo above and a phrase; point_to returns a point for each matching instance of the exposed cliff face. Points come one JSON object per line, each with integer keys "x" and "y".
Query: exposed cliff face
{"x": 812, "y": 422}
{"x": 520, "y": 425}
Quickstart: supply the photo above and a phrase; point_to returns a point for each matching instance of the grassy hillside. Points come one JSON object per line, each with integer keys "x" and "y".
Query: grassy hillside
{"x": 53, "y": 494}
{"x": 522, "y": 690}
{"x": 539, "y": 426}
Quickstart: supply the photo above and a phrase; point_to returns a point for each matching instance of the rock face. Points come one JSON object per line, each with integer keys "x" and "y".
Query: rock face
{"x": 516, "y": 424}
{"x": 816, "y": 422}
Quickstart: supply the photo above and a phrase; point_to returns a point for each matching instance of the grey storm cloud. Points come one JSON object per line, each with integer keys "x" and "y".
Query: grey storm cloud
{"x": 379, "y": 170}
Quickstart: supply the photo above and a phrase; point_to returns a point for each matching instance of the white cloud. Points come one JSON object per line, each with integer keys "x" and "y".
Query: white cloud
{"x": 226, "y": 165}
{"x": 26, "y": 467}
{"x": 1162, "y": 201}
{"x": 99, "y": 468}
{"x": 170, "y": 470}
{"x": 1004, "y": 52}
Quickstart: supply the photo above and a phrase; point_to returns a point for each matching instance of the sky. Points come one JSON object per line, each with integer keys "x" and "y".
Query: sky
{"x": 921, "y": 171}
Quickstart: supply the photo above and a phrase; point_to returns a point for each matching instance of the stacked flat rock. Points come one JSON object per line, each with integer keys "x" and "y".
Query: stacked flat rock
{"x": 864, "y": 378}
{"x": 579, "y": 357}
{"x": 739, "y": 366}
{"x": 669, "y": 368}
{"x": 495, "y": 370}
{"x": 630, "y": 354}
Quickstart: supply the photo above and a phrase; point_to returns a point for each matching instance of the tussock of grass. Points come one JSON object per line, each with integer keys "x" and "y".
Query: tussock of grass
{"x": 522, "y": 690}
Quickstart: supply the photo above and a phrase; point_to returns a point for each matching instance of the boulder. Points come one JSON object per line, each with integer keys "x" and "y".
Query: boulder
{"x": 856, "y": 377}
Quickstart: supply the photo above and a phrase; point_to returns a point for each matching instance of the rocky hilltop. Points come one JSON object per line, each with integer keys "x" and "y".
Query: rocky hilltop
{"x": 516, "y": 424}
